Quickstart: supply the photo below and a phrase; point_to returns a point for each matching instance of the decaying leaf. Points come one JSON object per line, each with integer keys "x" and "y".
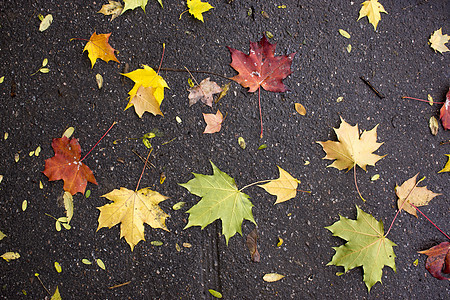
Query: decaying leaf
{"x": 372, "y": 10}
{"x": 66, "y": 165}
{"x": 132, "y": 209}
{"x": 300, "y": 109}
{"x": 99, "y": 47}
{"x": 438, "y": 261}
{"x": 8, "y": 256}
{"x": 366, "y": 246}
{"x": 213, "y": 122}
{"x": 99, "y": 79}
{"x": 285, "y": 187}
{"x": 113, "y": 8}
{"x": 445, "y": 112}
{"x": 261, "y": 67}
{"x": 272, "y": 277}
{"x": 221, "y": 199}
{"x": 447, "y": 165}
{"x": 204, "y": 92}
{"x": 132, "y": 4}
{"x": 150, "y": 96}
{"x": 434, "y": 125}
{"x": 197, "y": 8}
{"x": 438, "y": 40}
{"x": 409, "y": 193}
{"x": 252, "y": 244}
{"x": 352, "y": 149}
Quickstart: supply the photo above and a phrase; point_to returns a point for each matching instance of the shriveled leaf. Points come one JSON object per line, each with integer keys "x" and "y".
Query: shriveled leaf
{"x": 352, "y": 149}
{"x": 68, "y": 205}
{"x": 66, "y": 165}
{"x": 221, "y": 199}
{"x": 197, "y": 8}
{"x": 408, "y": 193}
{"x": 98, "y": 47}
{"x": 438, "y": 40}
{"x": 132, "y": 209}
{"x": 372, "y": 9}
{"x": 113, "y": 8}
{"x": 252, "y": 245}
{"x": 216, "y": 294}
{"x": 300, "y": 109}
{"x": 8, "y": 256}
{"x": 224, "y": 91}
{"x": 438, "y": 260}
{"x": 447, "y": 165}
{"x": 56, "y": 295}
{"x": 45, "y": 23}
{"x": 434, "y": 125}
{"x": 204, "y": 92}
{"x": 132, "y": 4}
{"x": 285, "y": 187}
{"x": 366, "y": 246}
{"x": 213, "y": 122}
{"x": 261, "y": 68}
{"x": 272, "y": 277}
{"x": 445, "y": 112}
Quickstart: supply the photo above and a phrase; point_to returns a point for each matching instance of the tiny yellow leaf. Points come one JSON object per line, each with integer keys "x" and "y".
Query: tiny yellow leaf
{"x": 177, "y": 247}
{"x": 2, "y": 235}
{"x": 58, "y": 267}
{"x": 344, "y": 33}
{"x": 349, "y": 48}
{"x": 45, "y": 23}
{"x": 375, "y": 177}
{"x": 68, "y": 133}
{"x": 242, "y": 143}
{"x": 280, "y": 242}
{"x": 157, "y": 243}
{"x": 340, "y": 99}
{"x": 24, "y": 205}
{"x": 10, "y": 256}
{"x": 45, "y": 62}
{"x": 5, "y": 136}
{"x": 416, "y": 262}
{"x": 16, "y": 157}
{"x": 37, "y": 151}
{"x": 197, "y": 7}
{"x": 99, "y": 79}
{"x": 86, "y": 261}
{"x": 101, "y": 264}
{"x": 434, "y": 125}
{"x": 178, "y": 205}
{"x": 285, "y": 187}
{"x": 41, "y": 185}
{"x": 68, "y": 205}
{"x": 44, "y": 70}
{"x": 272, "y": 277}
{"x": 447, "y": 165}
{"x": 372, "y": 10}
{"x": 216, "y": 294}
{"x": 2, "y": 79}
{"x": 430, "y": 100}
{"x": 300, "y": 109}
{"x": 187, "y": 245}
{"x": 58, "y": 225}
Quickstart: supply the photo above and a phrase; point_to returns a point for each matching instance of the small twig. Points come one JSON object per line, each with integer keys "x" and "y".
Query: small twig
{"x": 204, "y": 72}
{"x": 37, "y": 276}
{"x": 444, "y": 142}
{"x": 119, "y": 285}
{"x": 143, "y": 159}
{"x": 371, "y": 86}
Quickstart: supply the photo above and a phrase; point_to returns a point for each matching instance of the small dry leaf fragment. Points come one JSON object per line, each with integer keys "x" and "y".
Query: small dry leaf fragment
{"x": 375, "y": 177}
{"x": 2, "y": 79}
{"x": 447, "y": 165}
{"x": 213, "y": 122}
{"x": 204, "y": 92}
{"x": 344, "y": 33}
{"x": 252, "y": 244}
{"x": 45, "y": 22}
{"x": 178, "y": 119}
{"x": 113, "y": 8}
{"x": 416, "y": 262}
{"x": 300, "y": 109}
{"x": 87, "y": 194}
{"x": 280, "y": 242}
{"x": 187, "y": 245}
{"x": 434, "y": 125}
{"x": 100, "y": 263}
{"x": 156, "y": 243}
{"x": 37, "y": 151}
{"x": 41, "y": 185}
{"x": 68, "y": 133}
{"x": 86, "y": 261}
{"x": 272, "y": 277}
{"x": 8, "y": 256}
{"x": 306, "y": 163}
{"x": 2, "y": 235}
{"x": 1, "y": 178}
{"x": 242, "y": 143}
{"x": 24, "y": 205}
{"x": 178, "y": 205}
{"x": 263, "y": 146}
{"x": 5, "y": 136}
{"x": 99, "y": 79}
{"x": 16, "y": 157}
{"x": 56, "y": 295}
{"x": 224, "y": 91}
{"x": 340, "y": 99}
{"x": 162, "y": 178}
{"x": 438, "y": 40}
{"x": 430, "y": 100}
{"x": 216, "y": 294}
{"x": 177, "y": 247}
{"x": 349, "y": 48}
{"x": 58, "y": 267}
{"x": 438, "y": 260}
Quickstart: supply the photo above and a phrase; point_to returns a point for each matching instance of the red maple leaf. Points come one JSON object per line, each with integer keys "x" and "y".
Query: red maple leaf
{"x": 260, "y": 67}
{"x": 445, "y": 112}
{"x": 66, "y": 165}
{"x": 438, "y": 260}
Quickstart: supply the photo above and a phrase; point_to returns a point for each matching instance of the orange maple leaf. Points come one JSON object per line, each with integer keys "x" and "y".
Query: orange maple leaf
{"x": 66, "y": 165}
{"x": 213, "y": 122}
{"x": 98, "y": 47}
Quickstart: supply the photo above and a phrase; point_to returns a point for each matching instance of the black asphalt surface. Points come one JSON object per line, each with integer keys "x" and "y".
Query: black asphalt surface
{"x": 396, "y": 59}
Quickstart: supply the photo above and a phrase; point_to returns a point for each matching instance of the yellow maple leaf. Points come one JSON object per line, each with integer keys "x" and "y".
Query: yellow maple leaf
{"x": 437, "y": 41}
{"x": 132, "y": 209}
{"x": 147, "y": 99}
{"x": 197, "y": 7}
{"x": 352, "y": 150}
{"x": 113, "y": 8}
{"x": 447, "y": 165}
{"x": 372, "y": 9}
{"x": 409, "y": 193}
{"x": 98, "y": 47}
{"x": 284, "y": 188}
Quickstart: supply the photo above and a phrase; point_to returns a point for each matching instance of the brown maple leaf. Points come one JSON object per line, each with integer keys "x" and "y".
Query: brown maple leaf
{"x": 445, "y": 112}
{"x": 213, "y": 122}
{"x": 204, "y": 92}
{"x": 66, "y": 165}
{"x": 438, "y": 261}
{"x": 409, "y": 193}
{"x": 99, "y": 47}
{"x": 261, "y": 67}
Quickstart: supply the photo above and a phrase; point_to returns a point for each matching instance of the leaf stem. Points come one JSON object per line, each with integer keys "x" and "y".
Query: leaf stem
{"x": 260, "y": 112}
{"x": 257, "y": 182}
{"x": 51, "y": 216}
{"x": 114, "y": 123}
{"x": 204, "y": 72}
{"x": 143, "y": 169}
{"x": 356, "y": 183}
{"x": 430, "y": 221}
{"x": 37, "y": 276}
{"x": 162, "y": 56}
{"x": 417, "y": 99}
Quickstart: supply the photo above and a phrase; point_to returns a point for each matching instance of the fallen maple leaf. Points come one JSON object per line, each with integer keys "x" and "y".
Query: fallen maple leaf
{"x": 445, "y": 111}
{"x": 220, "y": 200}
{"x": 447, "y": 165}
{"x": 438, "y": 261}
{"x": 132, "y": 4}
{"x": 260, "y": 67}
{"x": 366, "y": 246}
{"x": 150, "y": 97}
{"x": 204, "y": 92}
{"x": 132, "y": 209}
{"x": 213, "y": 122}
{"x": 438, "y": 40}
{"x": 372, "y": 9}
{"x": 113, "y": 8}
{"x": 197, "y": 8}
{"x": 352, "y": 150}
{"x": 98, "y": 47}
{"x": 284, "y": 188}
{"x": 66, "y": 165}
{"x": 409, "y": 193}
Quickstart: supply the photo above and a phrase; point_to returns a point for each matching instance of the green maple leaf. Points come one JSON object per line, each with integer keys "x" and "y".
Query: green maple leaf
{"x": 366, "y": 246}
{"x": 132, "y": 4}
{"x": 221, "y": 199}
